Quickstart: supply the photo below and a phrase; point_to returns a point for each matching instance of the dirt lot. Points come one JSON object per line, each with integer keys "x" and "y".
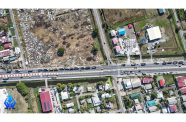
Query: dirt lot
{"x": 70, "y": 29}
{"x": 21, "y": 105}
{"x": 114, "y": 16}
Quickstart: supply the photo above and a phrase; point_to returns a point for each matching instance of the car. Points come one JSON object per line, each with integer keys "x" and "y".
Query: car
{"x": 39, "y": 70}
{"x": 67, "y": 69}
{"x": 8, "y": 71}
{"x": 180, "y": 62}
{"x": 169, "y": 62}
{"x": 87, "y": 68}
{"x": 71, "y": 69}
{"x": 76, "y": 68}
{"x": 30, "y": 71}
{"x": 143, "y": 64}
{"x": 121, "y": 73}
{"x": 45, "y": 70}
{"x": 175, "y": 62}
{"x": 61, "y": 68}
{"x": 17, "y": 71}
{"x": 164, "y": 63}
{"x": 94, "y": 67}
{"x": 156, "y": 63}
{"x": 82, "y": 68}
{"x": 133, "y": 64}
{"x": 123, "y": 65}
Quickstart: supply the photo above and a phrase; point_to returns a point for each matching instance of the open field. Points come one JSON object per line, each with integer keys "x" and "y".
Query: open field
{"x": 54, "y": 29}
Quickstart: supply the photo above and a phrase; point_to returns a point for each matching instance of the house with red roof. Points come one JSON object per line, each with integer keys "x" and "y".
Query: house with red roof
{"x": 173, "y": 108}
{"x": 46, "y": 101}
{"x": 183, "y": 90}
{"x": 7, "y": 45}
{"x": 5, "y": 53}
{"x": 161, "y": 81}
{"x": 181, "y": 81}
{"x": 147, "y": 80}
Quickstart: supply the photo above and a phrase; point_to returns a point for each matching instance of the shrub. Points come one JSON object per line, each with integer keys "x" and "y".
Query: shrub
{"x": 60, "y": 51}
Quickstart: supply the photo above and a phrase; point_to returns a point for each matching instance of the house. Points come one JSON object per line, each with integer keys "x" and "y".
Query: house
{"x": 69, "y": 105}
{"x": 117, "y": 49}
{"x": 165, "y": 110}
{"x": 98, "y": 109}
{"x": 71, "y": 110}
{"x": 181, "y": 81}
{"x": 183, "y": 90}
{"x": 121, "y": 32}
{"x": 161, "y": 81}
{"x": 153, "y": 109}
{"x": 115, "y": 41}
{"x": 148, "y": 86}
{"x": 136, "y": 82}
{"x": 161, "y": 11}
{"x": 154, "y": 33}
{"x": 106, "y": 95}
{"x": 96, "y": 100}
{"x": 160, "y": 95}
{"x": 46, "y": 101}
{"x": 107, "y": 86}
{"x": 183, "y": 98}
{"x": 4, "y": 39}
{"x": 127, "y": 84}
{"x": 64, "y": 95}
{"x": 3, "y": 96}
{"x": 113, "y": 33}
{"x": 4, "y": 53}
{"x": 151, "y": 103}
{"x": 7, "y": 45}
{"x": 6, "y": 59}
{"x": 147, "y": 80}
{"x": 90, "y": 89}
{"x": 82, "y": 101}
{"x": 173, "y": 108}
{"x": 172, "y": 100}
{"x": 138, "y": 107}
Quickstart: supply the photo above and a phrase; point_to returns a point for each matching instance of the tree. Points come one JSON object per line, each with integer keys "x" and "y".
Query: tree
{"x": 95, "y": 33}
{"x": 128, "y": 102}
{"x": 94, "y": 50}
{"x": 22, "y": 88}
{"x": 153, "y": 95}
{"x": 60, "y": 87}
{"x": 60, "y": 52}
{"x": 177, "y": 29}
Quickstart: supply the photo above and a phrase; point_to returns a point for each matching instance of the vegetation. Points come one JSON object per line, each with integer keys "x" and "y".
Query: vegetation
{"x": 169, "y": 79}
{"x": 22, "y": 89}
{"x": 181, "y": 14}
{"x": 95, "y": 33}
{"x": 60, "y": 52}
{"x": 60, "y": 87}
{"x": 153, "y": 95}
{"x": 128, "y": 102}
{"x": 94, "y": 50}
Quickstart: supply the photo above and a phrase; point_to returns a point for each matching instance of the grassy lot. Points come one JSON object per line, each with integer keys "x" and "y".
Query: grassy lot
{"x": 169, "y": 79}
{"x": 15, "y": 43}
{"x": 37, "y": 99}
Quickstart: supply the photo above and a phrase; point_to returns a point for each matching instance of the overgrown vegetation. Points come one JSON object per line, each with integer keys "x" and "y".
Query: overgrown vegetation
{"x": 22, "y": 89}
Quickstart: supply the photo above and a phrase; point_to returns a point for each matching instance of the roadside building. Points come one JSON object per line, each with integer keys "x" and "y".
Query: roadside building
{"x": 127, "y": 84}
{"x": 10, "y": 102}
{"x": 121, "y": 32}
{"x": 148, "y": 87}
{"x": 113, "y": 33}
{"x": 151, "y": 103}
{"x": 17, "y": 50}
{"x": 181, "y": 81}
{"x": 46, "y": 101}
{"x": 106, "y": 95}
{"x": 147, "y": 80}
{"x": 117, "y": 49}
{"x": 136, "y": 82}
{"x": 4, "y": 39}
{"x": 154, "y": 33}
{"x": 89, "y": 101}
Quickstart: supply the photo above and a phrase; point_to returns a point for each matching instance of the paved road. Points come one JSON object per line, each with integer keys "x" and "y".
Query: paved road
{"x": 181, "y": 31}
{"x": 113, "y": 70}
{"x": 17, "y": 37}
{"x": 104, "y": 43}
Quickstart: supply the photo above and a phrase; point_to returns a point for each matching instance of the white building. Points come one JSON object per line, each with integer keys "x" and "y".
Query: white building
{"x": 69, "y": 105}
{"x": 127, "y": 83}
{"x": 3, "y": 96}
{"x": 154, "y": 33}
{"x": 113, "y": 33}
{"x": 136, "y": 82}
{"x": 96, "y": 100}
{"x": 172, "y": 100}
{"x": 64, "y": 95}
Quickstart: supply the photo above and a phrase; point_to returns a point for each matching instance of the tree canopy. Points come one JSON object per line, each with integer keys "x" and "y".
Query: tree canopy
{"x": 22, "y": 89}
{"x": 60, "y": 51}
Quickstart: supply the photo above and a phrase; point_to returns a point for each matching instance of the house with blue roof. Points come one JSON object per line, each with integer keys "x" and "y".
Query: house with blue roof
{"x": 121, "y": 32}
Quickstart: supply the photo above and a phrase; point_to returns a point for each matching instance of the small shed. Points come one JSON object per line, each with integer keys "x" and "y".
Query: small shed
{"x": 121, "y": 32}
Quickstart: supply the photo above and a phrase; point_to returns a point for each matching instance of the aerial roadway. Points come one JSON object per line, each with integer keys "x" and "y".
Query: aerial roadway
{"x": 121, "y": 70}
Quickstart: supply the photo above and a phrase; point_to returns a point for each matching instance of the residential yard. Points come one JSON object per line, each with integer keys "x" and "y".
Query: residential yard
{"x": 169, "y": 79}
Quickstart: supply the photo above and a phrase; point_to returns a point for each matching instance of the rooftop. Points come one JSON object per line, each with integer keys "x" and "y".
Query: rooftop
{"x": 154, "y": 33}
{"x": 46, "y": 101}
